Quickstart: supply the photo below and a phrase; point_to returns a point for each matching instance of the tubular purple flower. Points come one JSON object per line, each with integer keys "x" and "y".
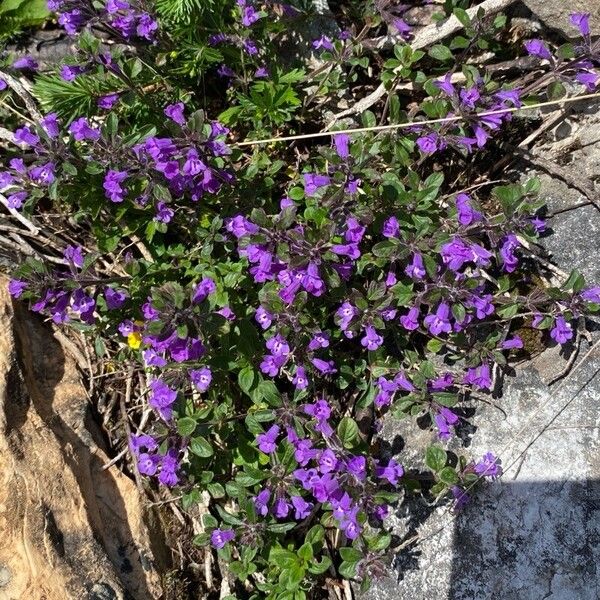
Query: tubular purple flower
{"x": 175, "y": 113}
{"x": 372, "y": 340}
{"x": 415, "y": 268}
{"x": 342, "y": 143}
{"x": 562, "y": 331}
{"x": 538, "y": 48}
{"x": 391, "y": 227}
{"x": 439, "y": 322}
{"x": 201, "y": 378}
{"x": 582, "y": 22}
{"x": 220, "y": 537}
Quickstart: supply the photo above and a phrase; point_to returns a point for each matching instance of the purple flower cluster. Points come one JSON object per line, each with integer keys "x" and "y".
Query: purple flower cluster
{"x": 121, "y": 16}
{"x": 328, "y": 474}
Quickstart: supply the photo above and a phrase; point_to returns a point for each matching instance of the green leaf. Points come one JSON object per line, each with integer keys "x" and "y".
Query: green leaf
{"x": 448, "y": 476}
{"x": 201, "y": 447}
{"x": 347, "y": 569}
{"x": 440, "y": 52}
{"x": 186, "y": 426}
{"x": 350, "y": 554}
{"x": 435, "y": 458}
{"x": 246, "y": 379}
{"x": 347, "y": 431}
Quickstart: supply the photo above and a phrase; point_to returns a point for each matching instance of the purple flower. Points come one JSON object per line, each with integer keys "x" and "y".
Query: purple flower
{"x": 480, "y": 377}
{"x": 278, "y": 346}
{"x": 114, "y": 298}
{"x": 240, "y": 226}
{"x": 562, "y": 331}
{"x": 164, "y": 214}
{"x": 582, "y": 22}
{"x": 153, "y": 359}
{"x": 465, "y": 212}
{"x": 261, "y": 72}
{"x": 50, "y": 125}
{"x": 16, "y": 287}
{"x": 148, "y": 463}
{"x": 43, "y": 174}
{"x": 538, "y": 48}
{"x": 446, "y": 85}
{"x": 220, "y": 537}
{"x": 461, "y": 498}
{"x": 203, "y": 289}
{"x": 372, "y": 340}
{"x": 409, "y": 321}
{"x": 263, "y": 317}
{"x": 108, "y": 101}
{"x": 260, "y": 502}
{"x": 591, "y": 295}
{"x": 142, "y": 440}
{"x": 342, "y": 143}
{"x": 301, "y": 507}
{"x": 312, "y": 182}
{"x": 392, "y": 472}
{"x": 175, "y": 113}
{"x": 324, "y": 43}
{"x": 391, "y": 227}
{"x": 146, "y": 26}
{"x": 271, "y": 365}
{"x": 510, "y": 244}
{"x": 327, "y": 461}
{"x": 71, "y": 72}
{"x": 249, "y": 16}
{"x": 488, "y": 466}
{"x": 483, "y": 305}
{"x": 25, "y": 62}
{"x": 402, "y": 27}
{"x": 74, "y": 255}
{"x": 456, "y": 253}
{"x": 428, "y": 144}
{"x": 162, "y": 399}
{"x": 344, "y": 314}
{"x": 24, "y": 135}
{"x": 514, "y": 342}
{"x": 588, "y": 78}
{"x": 327, "y": 367}
{"x": 444, "y": 419}
{"x": 439, "y": 322}
{"x": 81, "y": 130}
{"x": 281, "y": 508}
{"x": 3, "y": 84}
{"x": 16, "y": 200}
{"x": 416, "y": 269}
{"x": 354, "y": 230}
{"x": 267, "y": 442}
{"x": 201, "y": 378}
{"x": 468, "y": 97}
{"x": 300, "y": 380}
{"x": 112, "y": 185}
{"x": 319, "y": 340}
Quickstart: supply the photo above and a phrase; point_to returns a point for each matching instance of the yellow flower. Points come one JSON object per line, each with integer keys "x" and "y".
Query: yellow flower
{"x": 134, "y": 340}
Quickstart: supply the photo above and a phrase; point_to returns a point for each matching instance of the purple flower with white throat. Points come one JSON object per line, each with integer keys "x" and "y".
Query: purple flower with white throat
{"x": 162, "y": 398}
{"x": 488, "y": 466}
{"x": 112, "y": 185}
{"x": 81, "y": 130}
{"x": 201, "y": 378}
{"x": 267, "y": 442}
{"x": 439, "y": 322}
{"x": 392, "y": 472}
{"x": 410, "y": 320}
{"x": 263, "y": 317}
{"x": 562, "y": 331}
{"x": 220, "y": 537}
{"x": 372, "y": 340}
{"x": 416, "y": 268}
{"x": 300, "y": 380}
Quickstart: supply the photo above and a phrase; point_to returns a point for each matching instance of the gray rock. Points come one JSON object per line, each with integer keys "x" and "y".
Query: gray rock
{"x": 555, "y": 13}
